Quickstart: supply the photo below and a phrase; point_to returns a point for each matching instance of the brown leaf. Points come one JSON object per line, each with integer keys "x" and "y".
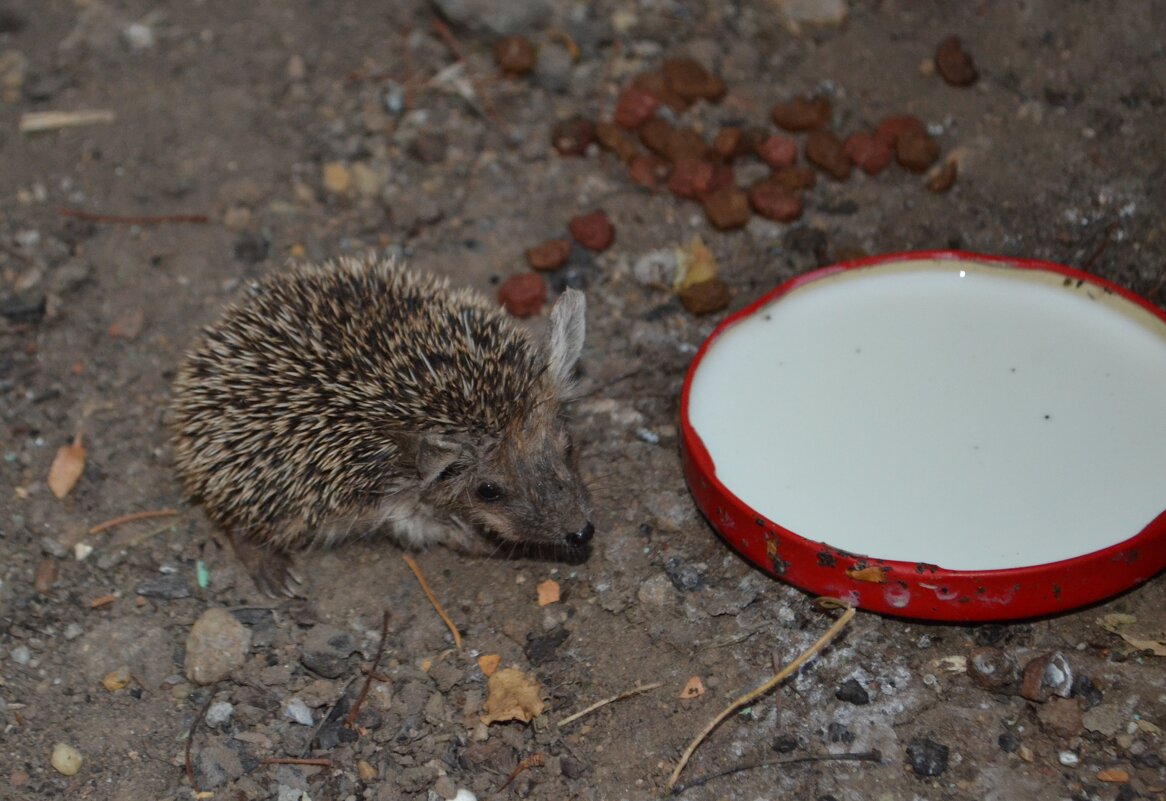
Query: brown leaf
{"x": 488, "y": 663}
{"x": 512, "y": 695}
{"x": 694, "y": 688}
{"x": 548, "y": 592}
{"x": 66, "y": 468}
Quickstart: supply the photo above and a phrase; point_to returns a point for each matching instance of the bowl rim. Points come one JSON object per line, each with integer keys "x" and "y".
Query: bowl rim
{"x": 915, "y": 589}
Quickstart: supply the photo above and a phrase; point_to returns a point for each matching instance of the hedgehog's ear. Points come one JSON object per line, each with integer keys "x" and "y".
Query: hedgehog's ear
{"x": 566, "y": 338}
{"x": 438, "y": 457}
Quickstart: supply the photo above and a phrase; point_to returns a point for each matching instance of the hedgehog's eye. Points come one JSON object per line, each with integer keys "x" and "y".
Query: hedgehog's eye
{"x": 489, "y": 492}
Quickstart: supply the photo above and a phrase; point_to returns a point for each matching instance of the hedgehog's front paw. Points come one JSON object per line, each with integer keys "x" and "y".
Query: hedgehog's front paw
{"x": 270, "y": 569}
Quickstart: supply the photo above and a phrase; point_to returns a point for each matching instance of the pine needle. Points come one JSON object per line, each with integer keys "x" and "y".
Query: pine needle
{"x": 457, "y": 637}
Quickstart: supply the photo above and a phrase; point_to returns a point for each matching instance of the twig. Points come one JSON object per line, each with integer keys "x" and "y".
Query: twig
{"x": 532, "y": 761}
{"x": 190, "y": 739}
{"x": 351, "y": 719}
{"x": 457, "y": 637}
{"x": 131, "y": 219}
{"x": 322, "y": 762}
{"x": 130, "y": 518}
{"x": 38, "y": 121}
{"x": 1108, "y": 234}
{"x": 777, "y": 679}
{"x": 447, "y": 38}
{"x": 640, "y": 688}
{"x": 859, "y": 756}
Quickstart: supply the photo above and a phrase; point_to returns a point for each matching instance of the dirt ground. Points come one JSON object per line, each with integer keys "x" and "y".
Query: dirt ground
{"x": 308, "y": 129}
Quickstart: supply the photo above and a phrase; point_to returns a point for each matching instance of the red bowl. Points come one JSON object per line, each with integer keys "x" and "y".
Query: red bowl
{"x": 916, "y": 589}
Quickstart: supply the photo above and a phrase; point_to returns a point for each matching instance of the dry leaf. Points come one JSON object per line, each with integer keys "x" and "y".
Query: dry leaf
{"x": 548, "y": 592}
{"x": 1116, "y": 622}
{"x": 116, "y": 679}
{"x": 1113, "y": 776}
{"x": 873, "y": 574}
{"x": 488, "y": 663}
{"x": 67, "y": 467}
{"x": 693, "y": 689}
{"x": 512, "y": 695}
{"x": 695, "y": 264}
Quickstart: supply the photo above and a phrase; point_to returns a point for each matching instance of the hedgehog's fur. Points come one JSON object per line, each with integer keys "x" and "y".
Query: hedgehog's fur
{"x": 358, "y": 395}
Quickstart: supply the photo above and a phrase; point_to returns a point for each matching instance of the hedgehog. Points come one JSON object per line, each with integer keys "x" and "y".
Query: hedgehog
{"x": 358, "y": 397}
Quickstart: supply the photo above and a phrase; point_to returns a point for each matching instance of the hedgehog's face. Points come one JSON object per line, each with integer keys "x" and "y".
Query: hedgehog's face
{"x": 523, "y": 488}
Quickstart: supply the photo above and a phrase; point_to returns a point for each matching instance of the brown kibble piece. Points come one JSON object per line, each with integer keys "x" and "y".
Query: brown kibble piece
{"x": 685, "y": 143}
{"x": 634, "y": 107}
{"x": 691, "y": 81}
{"x": 944, "y": 178}
{"x": 729, "y": 143}
{"x": 777, "y": 151}
{"x": 794, "y": 178}
{"x": 655, "y": 84}
{"x": 706, "y": 297}
{"x": 891, "y": 128}
{"x": 572, "y": 136}
{"x": 515, "y": 55}
{"x": 549, "y": 255}
{"x": 775, "y": 202}
{"x": 616, "y": 140}
{"x": 656, "y": 134}
{"x": 953, "y": 64}
{"x": 647, "y": 171}
{"x": 523, "y": 295}
{"x": 727, "y": 208}
{"x": 691, "y": 178}
{"x": 916, "y": 150}
{"x": 593, "y": 231}
{"x": 825, "y": 150}
{"x": 868, "y": 152}
{"x": 803, "y": 113}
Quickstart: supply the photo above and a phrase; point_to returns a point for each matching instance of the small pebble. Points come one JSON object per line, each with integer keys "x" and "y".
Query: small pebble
{"x": 593, "y": 231}
{"x": 803, "y": 113}
{"x": 1008, "y": 742}
{"x": 66, "y": 759}
{"x": 656, "y": 268}
{"x": 778, "y": 151}
{"x": 366, "y": 771}
{"x": 1045, "y": 675}
{"x": 523, "y": 295}
{"x": 73, "y": 631}
{"x": 572, "y": 136}
{"x": 326, "y": 649}
{"x": 953, "y": 64}
{"x": 549, "y": 255}
{"x": 991, "y": 668}
{"x": 217, "y": 644}
{"x": 916, "y": 150}
{"x": 706, "y": 297}
{"x": 117, "y": 679}
{"x": 21, "y": 655}
{"x": 1069, "y": 759}
{"x": 170, "y": 587}
{"x": 515, "y": 55}
{"x": 852, "y": 692}
{"x": 219, "y": 713}
{"x": 298, "y": 711}
{"x": 927, "y": 757}
{"x": 45, "y": 576}
{"x": 727, "y": 209}
{"x": 825, "y": 150}
{"x": 1113, "y": 776}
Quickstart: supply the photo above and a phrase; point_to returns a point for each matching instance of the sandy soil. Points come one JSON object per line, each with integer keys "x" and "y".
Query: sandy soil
{"x": 236, "y": 111}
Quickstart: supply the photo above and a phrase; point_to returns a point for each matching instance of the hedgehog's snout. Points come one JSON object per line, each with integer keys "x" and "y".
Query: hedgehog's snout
{"x": 578, "y": 539}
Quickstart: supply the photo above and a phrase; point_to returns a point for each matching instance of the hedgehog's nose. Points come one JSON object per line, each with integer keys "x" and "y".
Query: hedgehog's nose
{"x": 577, "y": 539}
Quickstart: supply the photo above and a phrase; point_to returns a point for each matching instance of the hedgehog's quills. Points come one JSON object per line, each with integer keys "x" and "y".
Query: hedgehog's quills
{"x": 358, "y": 397}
